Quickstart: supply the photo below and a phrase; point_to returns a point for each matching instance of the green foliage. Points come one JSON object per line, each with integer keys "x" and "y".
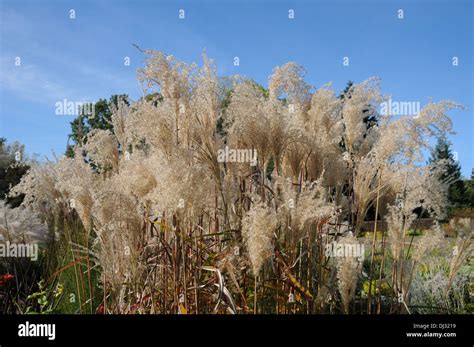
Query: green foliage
{"x": 469, "y": 184}
{"x": 156, "y": 98}
{"x": 99, "y": 118}
{"x": 262, "y": 89}
{"x": 80, "y": 284}
{"x": 414, "y": 232}
{"x": 457, "y": 193}
{"x": 45, "y": 299}
{"x": 378, "y": 287}
{"x": 27, "y": 276}
{"x": 220, "y": 121}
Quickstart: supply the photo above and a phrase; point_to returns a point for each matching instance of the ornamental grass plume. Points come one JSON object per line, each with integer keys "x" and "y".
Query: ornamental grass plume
{"x": 436, "y": 288}
{"x": 348, "y": 270}
{"x": 462, "y": 250}
{"x": 258, "y": 227}
{"x": 21, "y": 225}
{"x": 170, "y": 222}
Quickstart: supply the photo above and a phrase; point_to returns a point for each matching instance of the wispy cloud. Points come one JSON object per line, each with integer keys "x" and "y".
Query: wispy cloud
{"x": 38, "y": 84}
{"x": 29, "y": 82}
{"x": 46, "y": 76}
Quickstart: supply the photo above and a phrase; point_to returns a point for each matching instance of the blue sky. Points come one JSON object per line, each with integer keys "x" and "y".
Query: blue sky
{"x": 82, "y": 59}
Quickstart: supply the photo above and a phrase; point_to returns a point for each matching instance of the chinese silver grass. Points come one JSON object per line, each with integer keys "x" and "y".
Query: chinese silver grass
{"x": 39, "y": 187}
{"x": 348, "y": 270}
{"x": 398, "y": 223}
{"x": 365, "y": 95}
{"x": 303, "y": 206}
{"x": 288, "y": 81}
{"x": 102, "y": 149}
{"x": 155, "y": 179}
{"x": 434, "y": 290}
{"x": 462, "y": 250}
{"x": 76, "y": 182}
{"x": 258, "y": 227}
{"x": 21, "y": 225}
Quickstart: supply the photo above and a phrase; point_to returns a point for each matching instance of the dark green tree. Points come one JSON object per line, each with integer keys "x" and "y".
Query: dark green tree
{"x": 98, "y": 117}
{"x": 457, "y": 193}
{"x": 469, "y": 183}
